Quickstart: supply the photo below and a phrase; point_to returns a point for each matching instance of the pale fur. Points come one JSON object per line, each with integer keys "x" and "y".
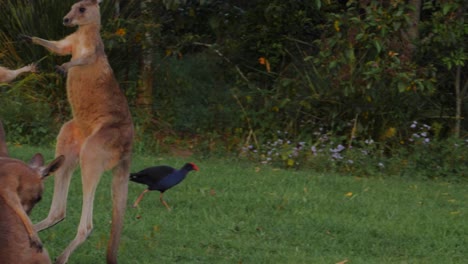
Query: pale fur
{"x": 7, "y": 75}
{"x": 100, "y": 135}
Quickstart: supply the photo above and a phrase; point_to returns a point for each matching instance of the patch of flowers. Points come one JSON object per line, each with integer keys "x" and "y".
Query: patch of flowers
{"x": 420, "y": 133}
{"x": 363, "y": 156}
{"x": 322, "y": 148}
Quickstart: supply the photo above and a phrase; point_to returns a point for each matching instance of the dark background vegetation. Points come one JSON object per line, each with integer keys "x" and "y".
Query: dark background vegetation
{"x": 364, "y": 87}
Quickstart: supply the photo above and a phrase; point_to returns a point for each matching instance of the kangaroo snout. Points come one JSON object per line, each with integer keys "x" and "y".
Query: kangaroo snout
{"x": 66, "y": 21}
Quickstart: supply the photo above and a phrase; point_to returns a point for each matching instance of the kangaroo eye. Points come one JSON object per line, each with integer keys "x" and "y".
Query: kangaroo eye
{"x": 82, "y": 9}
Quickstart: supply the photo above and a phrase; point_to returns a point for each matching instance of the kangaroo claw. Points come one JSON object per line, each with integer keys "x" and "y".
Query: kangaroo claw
{"x": 25, "y": 38}
{"x": 61, "y": 70}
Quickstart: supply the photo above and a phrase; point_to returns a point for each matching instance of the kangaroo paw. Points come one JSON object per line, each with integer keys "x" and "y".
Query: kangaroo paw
{"x": 35, "y": 242}
{"x": 25, "y": 38}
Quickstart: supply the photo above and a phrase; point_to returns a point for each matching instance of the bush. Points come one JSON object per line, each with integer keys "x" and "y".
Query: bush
{"x": 26, "y": 120}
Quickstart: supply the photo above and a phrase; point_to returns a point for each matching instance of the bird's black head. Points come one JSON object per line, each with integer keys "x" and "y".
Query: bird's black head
{"x": 190, "y": 166}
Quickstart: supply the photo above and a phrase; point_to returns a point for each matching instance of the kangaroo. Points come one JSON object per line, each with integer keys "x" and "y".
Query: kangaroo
{"x": 21, "y": 187}
{"x": 99, "y": 136}
{"x": 7, "y": 75}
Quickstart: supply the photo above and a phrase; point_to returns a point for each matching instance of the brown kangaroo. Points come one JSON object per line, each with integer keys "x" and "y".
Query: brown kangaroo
{"x": 99, "y": 137}
{"x": 21, "y": 187}
{"x": 7, "y": 75}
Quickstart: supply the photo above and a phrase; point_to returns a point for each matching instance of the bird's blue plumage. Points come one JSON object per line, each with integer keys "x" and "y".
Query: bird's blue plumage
{"x": 163, "y": 177}
{"x": 160, "y": 178}
{"x": 169, "y": 181}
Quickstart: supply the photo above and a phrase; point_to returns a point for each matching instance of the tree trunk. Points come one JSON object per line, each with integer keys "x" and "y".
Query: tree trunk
{"x": 460, "y": 93}
{"x": 144, "y": 99}
{"x": 413, "y": 30}
{"x": 459, "y": 100}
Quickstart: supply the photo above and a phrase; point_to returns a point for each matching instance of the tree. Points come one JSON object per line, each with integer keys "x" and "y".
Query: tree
{"x": 145, "y": 86}
{"x": 445, "y": 44}
{"x": 363, "y": 56}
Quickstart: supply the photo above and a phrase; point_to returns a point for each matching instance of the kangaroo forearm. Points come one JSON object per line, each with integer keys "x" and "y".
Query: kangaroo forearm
{"x": 9, "y": 75}
{"x": 81, "y": 61}
{"x": 15, "y": 205}
{"x": 58, "y": 47}
{"x": 22, "y": 70}
{"x": 6, "y": 77}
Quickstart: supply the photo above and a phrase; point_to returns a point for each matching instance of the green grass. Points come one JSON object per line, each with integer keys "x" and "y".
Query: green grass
{"x": 235, "y": 212}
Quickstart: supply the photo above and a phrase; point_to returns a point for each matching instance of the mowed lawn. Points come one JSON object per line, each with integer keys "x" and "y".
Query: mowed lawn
{"x": 236, "y": 212}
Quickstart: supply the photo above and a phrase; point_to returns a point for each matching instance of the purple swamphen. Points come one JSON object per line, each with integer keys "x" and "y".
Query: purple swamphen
{"x": 160, "y": 178}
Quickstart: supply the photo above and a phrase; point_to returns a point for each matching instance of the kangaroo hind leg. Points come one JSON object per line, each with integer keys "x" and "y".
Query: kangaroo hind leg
{"x": 68, "y": 144}
{"x": 94, "y": 159}
{"x": 120, "y": 180}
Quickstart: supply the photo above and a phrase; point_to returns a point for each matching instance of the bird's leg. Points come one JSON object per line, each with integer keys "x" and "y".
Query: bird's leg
{"x": 164, "y": 202}
{"x": 139, "y": 198}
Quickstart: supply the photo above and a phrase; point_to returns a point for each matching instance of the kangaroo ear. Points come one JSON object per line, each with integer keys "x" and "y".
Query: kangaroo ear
{"x": 36, "y": 161}
{"x": 95, "y": 1}
{"x": 53, "y": 166}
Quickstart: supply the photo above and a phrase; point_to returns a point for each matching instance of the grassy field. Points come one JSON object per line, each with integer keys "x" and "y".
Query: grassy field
{"x": 234, "y": 212}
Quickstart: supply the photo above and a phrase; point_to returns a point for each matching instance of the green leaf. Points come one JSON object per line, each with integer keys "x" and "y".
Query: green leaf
{"x": 308, "y": 58}
{"x": 401, "y": 86}
{"x": 446, "y": 8}
{"x": 318, "y": 4}
{"x": 360, "y": 36}
{"x": 349, "y": 53}
{"x": 378, "y": 46}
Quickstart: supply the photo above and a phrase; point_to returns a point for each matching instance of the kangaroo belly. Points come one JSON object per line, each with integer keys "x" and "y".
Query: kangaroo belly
{"x": 95, "y": 96}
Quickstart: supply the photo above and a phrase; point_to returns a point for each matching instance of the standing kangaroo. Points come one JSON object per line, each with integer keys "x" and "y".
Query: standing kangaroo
{"x": 99, "y": 136}
{"x": 7, "y": 75}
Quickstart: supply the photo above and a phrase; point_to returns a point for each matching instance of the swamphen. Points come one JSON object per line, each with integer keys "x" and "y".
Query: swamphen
{"x": 160, "y": 178}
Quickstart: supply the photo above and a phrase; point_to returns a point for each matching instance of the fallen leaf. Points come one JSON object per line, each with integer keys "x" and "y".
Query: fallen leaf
{"x": 212, "y": 192}
{"x": 343, "y": 262}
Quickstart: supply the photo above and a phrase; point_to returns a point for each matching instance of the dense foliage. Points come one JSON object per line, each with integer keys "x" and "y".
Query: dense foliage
{"x": 263, "y": 77}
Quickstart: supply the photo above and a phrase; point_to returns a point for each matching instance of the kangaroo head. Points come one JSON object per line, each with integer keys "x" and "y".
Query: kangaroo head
{"x": 24, "y": 179}
{"x": 82, "y": 13}
{"x": 30, "y": 179}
